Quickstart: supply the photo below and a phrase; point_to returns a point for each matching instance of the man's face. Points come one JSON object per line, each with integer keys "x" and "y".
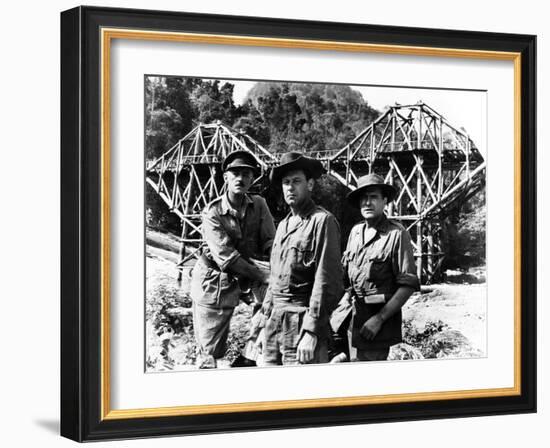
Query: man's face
{"x": 296, "y": 187}
{"x": 238, "y": 180}
{"x": 372, "y": 203}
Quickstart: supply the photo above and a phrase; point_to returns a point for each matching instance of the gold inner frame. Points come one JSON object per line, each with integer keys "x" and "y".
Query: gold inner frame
{"x": 107, "y": 35}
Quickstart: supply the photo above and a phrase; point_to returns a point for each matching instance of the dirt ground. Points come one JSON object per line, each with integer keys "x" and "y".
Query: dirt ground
{"x": 448, "y": 320}
{"x": 443, "y": 321}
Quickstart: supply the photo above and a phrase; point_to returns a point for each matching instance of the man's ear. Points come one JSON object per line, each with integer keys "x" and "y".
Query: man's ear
{"x": 225, "y": 176}
{"x": 310, "y": 184}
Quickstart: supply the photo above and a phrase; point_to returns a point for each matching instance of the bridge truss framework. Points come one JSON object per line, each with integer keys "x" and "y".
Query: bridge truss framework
{"x": 433, "y": 165}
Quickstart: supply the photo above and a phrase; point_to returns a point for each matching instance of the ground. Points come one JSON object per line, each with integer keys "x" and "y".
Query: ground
{"x": 445, "y": 320}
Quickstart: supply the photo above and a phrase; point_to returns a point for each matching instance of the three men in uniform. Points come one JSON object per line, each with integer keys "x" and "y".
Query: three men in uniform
{"x": 308, "y": 273}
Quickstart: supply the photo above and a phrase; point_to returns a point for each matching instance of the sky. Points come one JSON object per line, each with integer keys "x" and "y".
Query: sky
{"x": 461, "y": 108}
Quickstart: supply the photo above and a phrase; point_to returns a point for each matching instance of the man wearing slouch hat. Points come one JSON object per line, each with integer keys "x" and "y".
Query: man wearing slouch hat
{"x": 306, "y": 272}
{"x": 379, "y": 273}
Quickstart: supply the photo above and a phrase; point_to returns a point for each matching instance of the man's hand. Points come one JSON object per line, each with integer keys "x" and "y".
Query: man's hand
{"x": 306, "y": 347}
{"x": 263, "y": 268}
{"x": 371, "y": 327}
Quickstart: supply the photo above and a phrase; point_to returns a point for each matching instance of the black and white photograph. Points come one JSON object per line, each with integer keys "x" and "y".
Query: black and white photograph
{"x": 292, "y": 223}
{"x": 275, "y": 224}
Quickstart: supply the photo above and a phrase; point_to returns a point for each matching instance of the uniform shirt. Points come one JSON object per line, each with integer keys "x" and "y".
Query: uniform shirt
{"x": 377, "y": 261}
{"x": 230, "y": 234}
{"x": 306, "y": 269}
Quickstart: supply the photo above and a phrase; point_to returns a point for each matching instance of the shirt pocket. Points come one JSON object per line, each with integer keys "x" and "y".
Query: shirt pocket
{"x": 347, "y": 256}
{"x": 302, "y": 265}
{"x": 232, "y": 227}
{"x": 302, "y": 254}
{"x": 379, "y": 268}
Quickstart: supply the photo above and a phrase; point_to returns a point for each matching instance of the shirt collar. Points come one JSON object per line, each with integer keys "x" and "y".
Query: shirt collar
{"x": 226, "y": 207}
{"x": 379, "y": 227}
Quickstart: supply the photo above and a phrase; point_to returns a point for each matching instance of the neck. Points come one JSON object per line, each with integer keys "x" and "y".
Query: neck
{"x": 373, "y": 222}
{"x": 235, "y": 199}
{"x": 297, "y": 209}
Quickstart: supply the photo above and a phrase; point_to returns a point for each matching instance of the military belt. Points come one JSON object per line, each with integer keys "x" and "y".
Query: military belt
{"x": 373, "y": 296}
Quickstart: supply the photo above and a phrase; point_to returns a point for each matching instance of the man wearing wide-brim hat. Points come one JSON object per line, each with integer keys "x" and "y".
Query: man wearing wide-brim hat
{"x": 379, "y": 273}
{"x": 306, "y": 272}
{"x": 237, "y": 228}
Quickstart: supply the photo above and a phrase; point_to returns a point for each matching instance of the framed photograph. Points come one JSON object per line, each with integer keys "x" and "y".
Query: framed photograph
{"x": 277, "y": 224}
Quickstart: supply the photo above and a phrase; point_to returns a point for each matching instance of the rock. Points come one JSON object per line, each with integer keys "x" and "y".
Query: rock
{"x": 404, "y": 351}
{"x": 453, "y": 344}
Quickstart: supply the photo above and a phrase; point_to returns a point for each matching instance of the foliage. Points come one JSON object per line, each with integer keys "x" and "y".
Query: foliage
{"x": 437, "y": 340}
{"x": 464, "y": 234}
{"x": 284, "y": 116}
{"x": 158, "y": 215}
{"x": 280, "y": 116}
{"x": 310, "y": 117}
{"x": 423, "y": 340}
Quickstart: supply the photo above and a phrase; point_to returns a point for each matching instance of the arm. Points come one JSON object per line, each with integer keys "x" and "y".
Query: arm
{"x": 404, "y": 270}
{"x": 372, "y": 326}
{"x": 267, "y": 228}
{"x": 345, "y": 305}
{"x": 327, "y": 287}
{"x": 222, "y": 249}
{"x": 346, "y": 258}
{"x": 267, "y": 304}
{"x": 243, "y": 268}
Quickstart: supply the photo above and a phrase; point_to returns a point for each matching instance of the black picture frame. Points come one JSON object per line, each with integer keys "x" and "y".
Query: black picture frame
{"x": 82, "y": 407}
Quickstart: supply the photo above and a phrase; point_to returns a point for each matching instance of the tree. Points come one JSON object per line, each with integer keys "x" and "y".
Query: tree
{"x": 464, "y": 234}
{"x": 162, "y": 133}
{"x": 310, "y": 117}
{"x": 213, "y": 103}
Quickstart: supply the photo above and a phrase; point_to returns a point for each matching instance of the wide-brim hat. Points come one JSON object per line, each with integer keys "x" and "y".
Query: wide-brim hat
{"x": 241, "y": 159}
{"x": 296, "y": 161}
{"x": 369, "y": 181}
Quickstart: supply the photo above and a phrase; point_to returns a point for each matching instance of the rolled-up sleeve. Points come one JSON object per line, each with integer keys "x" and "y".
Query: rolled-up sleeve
{"x": 404, "y": 267}
{"x": 327, "y": 287}
{"x": 219, "y": 243}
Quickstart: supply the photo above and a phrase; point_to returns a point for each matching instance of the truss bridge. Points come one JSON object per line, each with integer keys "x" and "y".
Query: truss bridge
{"x": 434, "y": 166}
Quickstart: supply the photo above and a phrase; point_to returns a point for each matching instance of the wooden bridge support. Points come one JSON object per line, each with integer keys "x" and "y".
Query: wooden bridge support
{"x": 407, "y": 143}
{"x": 430, "y": 248}
{"x": 185, "y": 231}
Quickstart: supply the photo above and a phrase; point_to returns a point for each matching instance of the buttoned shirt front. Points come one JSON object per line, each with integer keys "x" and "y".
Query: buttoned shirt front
{"x": 306, "y": 269}
{"x": 229, "y": 234}
{"x": 377, "y": 261}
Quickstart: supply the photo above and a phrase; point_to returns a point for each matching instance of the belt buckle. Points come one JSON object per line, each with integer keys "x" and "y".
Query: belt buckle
{"x": 374, "y": 299}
